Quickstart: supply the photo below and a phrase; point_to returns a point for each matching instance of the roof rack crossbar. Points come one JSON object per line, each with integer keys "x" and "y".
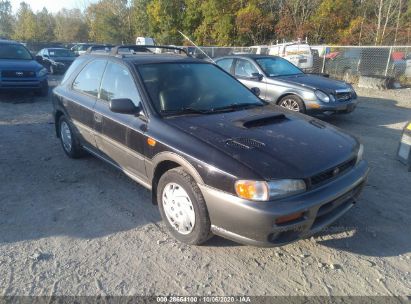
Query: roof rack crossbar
{"x": 146, "y": 48}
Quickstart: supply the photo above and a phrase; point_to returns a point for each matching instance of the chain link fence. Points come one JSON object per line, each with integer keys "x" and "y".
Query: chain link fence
{"x": 342, "y": 62}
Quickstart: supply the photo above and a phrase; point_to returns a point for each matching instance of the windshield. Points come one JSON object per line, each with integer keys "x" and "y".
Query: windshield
{"x": 275, "y": 66}
{"x": 14, "y": 51}
{"x": 194, "y": 87}
{"x": 61, "y": 53}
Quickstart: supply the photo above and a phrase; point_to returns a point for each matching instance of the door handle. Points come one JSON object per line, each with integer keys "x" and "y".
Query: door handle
{"x": 98, "y": 117}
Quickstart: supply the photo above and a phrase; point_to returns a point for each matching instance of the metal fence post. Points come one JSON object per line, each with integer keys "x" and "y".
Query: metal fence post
{"x": 325, "y": 53}
{"x": 388, "y": 62}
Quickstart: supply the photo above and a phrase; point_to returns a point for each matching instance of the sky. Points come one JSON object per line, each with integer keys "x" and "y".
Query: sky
{"x": 52, "y": 5}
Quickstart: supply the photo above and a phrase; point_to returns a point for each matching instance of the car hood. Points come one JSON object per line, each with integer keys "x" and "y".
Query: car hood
{"x": 25, "y": 65}
{"x": 272, "y": 142}
{"x": 314, "y": 82}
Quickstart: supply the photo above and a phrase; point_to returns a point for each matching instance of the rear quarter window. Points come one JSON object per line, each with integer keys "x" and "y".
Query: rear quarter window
{"x": 79, "y": 61}
{"x": 89, "y": 79}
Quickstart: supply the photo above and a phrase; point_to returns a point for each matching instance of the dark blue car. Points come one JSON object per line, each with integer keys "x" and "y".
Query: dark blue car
{"x": 19, "y": 70}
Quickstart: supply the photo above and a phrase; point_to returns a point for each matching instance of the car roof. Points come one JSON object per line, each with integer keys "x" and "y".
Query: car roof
{"x": 9, "y": 42}
{"x": 251, "y": 56}
{"x": 144, "y": 58}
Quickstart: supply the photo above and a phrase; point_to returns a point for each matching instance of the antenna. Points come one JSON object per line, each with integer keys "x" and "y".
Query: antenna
{"x": 196, "y": 46}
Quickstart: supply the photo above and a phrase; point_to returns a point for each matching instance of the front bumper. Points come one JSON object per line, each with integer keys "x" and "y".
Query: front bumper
{"x": 313, "y": 107}
{"x": 254, "y": 223}
{"x": 13, "y": 84}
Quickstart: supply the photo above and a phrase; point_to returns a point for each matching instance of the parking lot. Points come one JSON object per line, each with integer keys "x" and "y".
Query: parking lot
{"x": 80, "y": 227}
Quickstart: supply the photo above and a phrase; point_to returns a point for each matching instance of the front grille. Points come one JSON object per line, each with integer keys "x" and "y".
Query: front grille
{"x": 18, "y": 74}
{"x": 343, "y": 96}
{"x": 332, "y": 173}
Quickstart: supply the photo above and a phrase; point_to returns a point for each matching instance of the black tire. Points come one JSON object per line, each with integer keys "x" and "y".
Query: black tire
{"x": 76, "y": 151}
{"x": 201, "y": 229}
{"x": 294, "y": 98}
{"x": 44, "y": 90}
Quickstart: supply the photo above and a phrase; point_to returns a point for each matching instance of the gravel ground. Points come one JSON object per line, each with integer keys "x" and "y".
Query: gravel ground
{"x": 79, "y": 227}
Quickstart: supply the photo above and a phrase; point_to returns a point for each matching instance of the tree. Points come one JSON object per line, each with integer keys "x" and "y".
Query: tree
{"x": 45, "y": 25}
{"x": 109, "y": 21}
{"x": 70, "y": 26}
{"x": 165, "y": 19}
{"x": 6, "y": 19}
{"x": 25, "y": 27}
{"x": 253, "y": 26}
{"x": 331, "y": 18}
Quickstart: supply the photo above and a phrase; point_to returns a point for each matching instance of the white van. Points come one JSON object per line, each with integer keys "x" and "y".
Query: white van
{"x": 145, "y": 41}
{"x": 296, "y": 52}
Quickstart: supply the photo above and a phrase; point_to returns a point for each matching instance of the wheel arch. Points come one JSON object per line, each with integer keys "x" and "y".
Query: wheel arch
{"x": 164, "y": 162}
{"x": 285, "y": 94}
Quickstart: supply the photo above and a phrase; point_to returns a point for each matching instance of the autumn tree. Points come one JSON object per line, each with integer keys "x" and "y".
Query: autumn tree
{"x": 330, "y": 20}
{"x": 70, "y": 26}
{"x": 25, "y": 26}
{"x": 6, "y": 19}
{"x": 109, "y": 21}
{"x": 253, "y": 26}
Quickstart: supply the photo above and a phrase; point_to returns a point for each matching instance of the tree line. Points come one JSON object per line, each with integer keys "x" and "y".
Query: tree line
{"x": 215, "y": 22}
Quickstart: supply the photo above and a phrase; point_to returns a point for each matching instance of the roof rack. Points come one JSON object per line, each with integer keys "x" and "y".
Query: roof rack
{"x": 145, "y": 48}
{"x": 101, "y": 48}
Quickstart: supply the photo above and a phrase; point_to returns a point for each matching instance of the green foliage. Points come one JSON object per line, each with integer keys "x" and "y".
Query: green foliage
{"x": 109, "y": 21}
{"x": 6, "y": 19}
{"x": 215, "y": 22}
{"x": 70, "y": 26}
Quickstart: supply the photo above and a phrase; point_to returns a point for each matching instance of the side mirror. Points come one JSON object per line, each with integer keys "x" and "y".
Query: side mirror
{"x": 256, "y": 76}
{"x": 124, "y": 106}
{"x": 256, "y": 91}
{"x": 39, "y": 59}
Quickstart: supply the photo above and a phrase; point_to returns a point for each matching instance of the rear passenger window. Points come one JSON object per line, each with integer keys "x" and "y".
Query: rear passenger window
{"x": 118, "y": 83}
{"x": 226, "y": 64}
{"x": 88, "y": 81}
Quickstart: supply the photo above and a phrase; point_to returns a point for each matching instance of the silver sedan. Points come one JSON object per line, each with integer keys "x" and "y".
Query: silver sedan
{"x": 281, "y": 82}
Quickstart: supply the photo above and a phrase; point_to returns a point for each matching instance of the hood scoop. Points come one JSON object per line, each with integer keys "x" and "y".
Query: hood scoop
{"x": 244, "y": 143}
{"x": 260, "y": 120}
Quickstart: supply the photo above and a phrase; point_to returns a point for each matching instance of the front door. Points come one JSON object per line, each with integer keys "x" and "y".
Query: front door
{"x": 244, "y": 70}
{"x": 120, "y": 137}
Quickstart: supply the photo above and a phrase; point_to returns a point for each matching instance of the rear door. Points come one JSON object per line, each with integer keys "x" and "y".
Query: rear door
{"x": 120, "y": 137}
{"x": 80, "y": 103}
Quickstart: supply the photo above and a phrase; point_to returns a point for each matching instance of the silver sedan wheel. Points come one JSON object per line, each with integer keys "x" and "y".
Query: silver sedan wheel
{"x": 290, "y": 104}
{"x": 178, "y": 208}
{"x": 65, "y": 135}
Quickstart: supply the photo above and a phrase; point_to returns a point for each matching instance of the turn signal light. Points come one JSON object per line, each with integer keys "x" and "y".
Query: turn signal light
{"x": 151, "y": 142}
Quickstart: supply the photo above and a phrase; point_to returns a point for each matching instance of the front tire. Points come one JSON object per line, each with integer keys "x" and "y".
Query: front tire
{"x": 68, "y": 139}
{"x": 182, "y": 207}
{"x": 292, "y": 103}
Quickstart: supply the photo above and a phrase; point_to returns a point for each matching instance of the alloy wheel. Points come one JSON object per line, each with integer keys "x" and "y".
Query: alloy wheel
{"x": 290, "y": 104}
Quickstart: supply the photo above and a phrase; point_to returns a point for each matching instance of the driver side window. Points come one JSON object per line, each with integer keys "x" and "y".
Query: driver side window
{"x": 118, "y": 83}
{"x": 245, "y": 68}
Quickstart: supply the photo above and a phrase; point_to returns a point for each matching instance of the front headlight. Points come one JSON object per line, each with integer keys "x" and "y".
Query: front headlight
{"x": 322, "y": 96}
{"x": 264, "y": 191}
{"x": 43, "y": 72}
{"x": 360, "y": 154}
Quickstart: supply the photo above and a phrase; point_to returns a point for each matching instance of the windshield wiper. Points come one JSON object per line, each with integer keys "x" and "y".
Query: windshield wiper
{"x": 236, "y": 106}
{"x": 187, "y": 110}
